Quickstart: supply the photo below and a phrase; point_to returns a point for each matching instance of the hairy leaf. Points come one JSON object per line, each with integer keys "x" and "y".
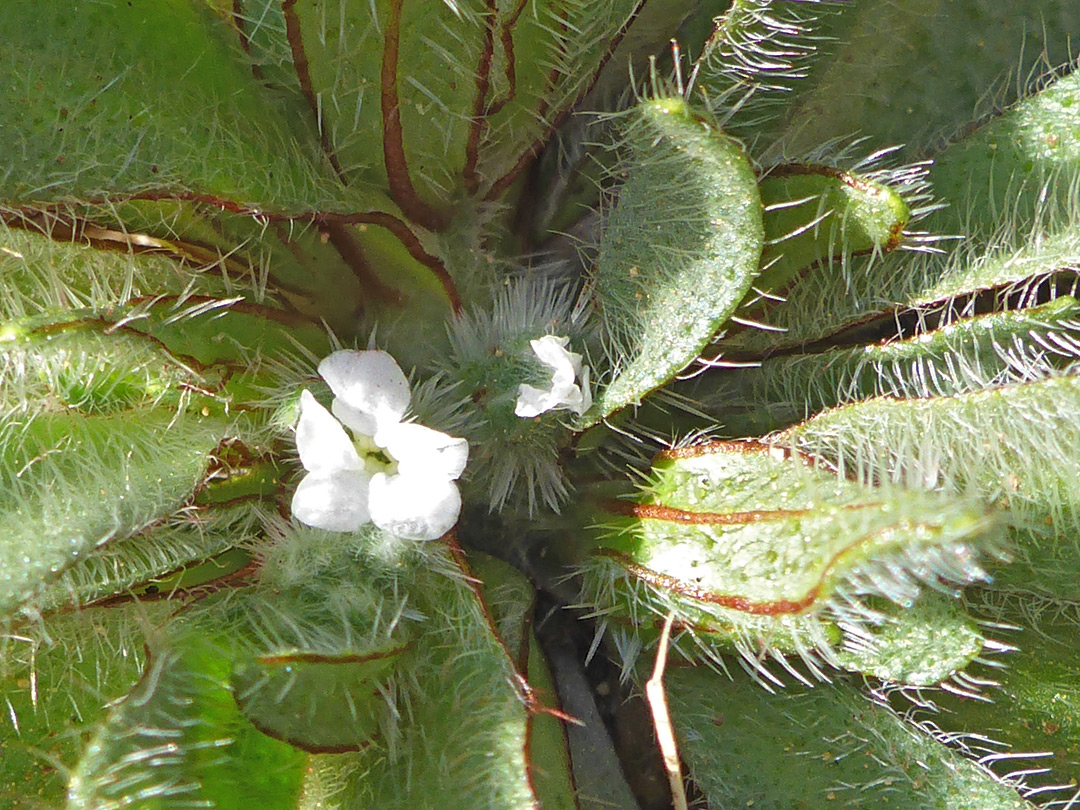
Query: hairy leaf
{"x": 679, "y": 250}
{"x": 763, "y": 552}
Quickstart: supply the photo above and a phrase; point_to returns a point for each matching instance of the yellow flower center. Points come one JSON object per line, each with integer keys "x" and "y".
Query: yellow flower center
{"x": 374, "y": 458}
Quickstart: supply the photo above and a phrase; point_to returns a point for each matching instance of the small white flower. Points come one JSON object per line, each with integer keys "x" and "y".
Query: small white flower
{"x": 563, "y": 392}
{"x": 398, "y": 475}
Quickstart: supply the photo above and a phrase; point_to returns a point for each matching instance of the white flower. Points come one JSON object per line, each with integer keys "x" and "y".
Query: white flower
{"x": 563, "y": 392}
{"x": 398, "y": 475}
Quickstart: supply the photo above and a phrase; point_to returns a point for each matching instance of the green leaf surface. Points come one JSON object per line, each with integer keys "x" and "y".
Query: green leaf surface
{"x": 42, "y": 275}
{"x": 679, "y": 251}
{"x": 182, "y": 717}
{"x": 462, "y": 94}
{"x": 315, "y": 639}
{"x": 158, "y": 101}
{"x": 1030, "y": 706}
{"x": 370, "y": 69}
{"x": 511, "y": 600}
{"x": 1014, "y": 167}
{"x": 1014, "y": 446}
{"x": 466, "y": 691}
{"x": 140, "y": 465}
{"x": 1017, "y": 209}
{"x": 192, "y": 548}
{"x": 871, "y": 303}
{"x": 966, "y": 355}
{"x": 57, "y": 687}
{"x": 922, "y": 643}
{"x": 755, "y": 55}
{"x": 458, "y": 735}
{"x": 817, "y": 214}
{"x": 78, "y": 367}
{"x": 912, "y": 77}
{"x": 757, "y": 550}
{"x": 828, "y": 746}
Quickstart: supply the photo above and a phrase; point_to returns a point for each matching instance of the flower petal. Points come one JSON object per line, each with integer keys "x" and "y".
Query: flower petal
{"x": 422, "y": 451}
{"x": 336, "y": 500}
{"x": 586, "y": 394}
{"x": 533, "y": 401}
{"x": 358, "y": 422}
{"x": 321, "y": 441}
{"x": 414, "y": 507}
{"x": 563, "y": 392}
{"x": 551, "y": 349}
{"x": 370, "y": 382}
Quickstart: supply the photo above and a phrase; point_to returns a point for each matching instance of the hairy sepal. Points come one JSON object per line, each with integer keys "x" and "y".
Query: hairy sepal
{"x": 490, "y": 357}
{"x": 680, "y": 249}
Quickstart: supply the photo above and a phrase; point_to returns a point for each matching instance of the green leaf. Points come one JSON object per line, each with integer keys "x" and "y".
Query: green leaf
{"x": 908, "y": 78}
{"x": 923, "y": 643}
{"x": 1014, "y": 168}
{"x": 880, "y": 301}
{"x": 966, "y": 355}
{"x": 1015, "y": 446}
{"x": 139, "y": 465}
{"x": 822, "y": 747}
{"x": 1030, "y": 707}
{"x": 179, "y": 738}
{"x": 817, "y": 214}
{"x": 511, "y": 599}
{"x": 42, "y": 275}
{"x": 1018, "y": 208}
{"x": 463, "y": 94}
{"x": 168, "y": 559}
{"x": 57, "y": 687}
{"x": 759, "y": 550}
{"x": 157, "y": 101}
{"x": 460, "y": 722}
{"x": 679, "y": 250}
{"x": 756, "y": 56}
{"x": 315, "y": 638}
